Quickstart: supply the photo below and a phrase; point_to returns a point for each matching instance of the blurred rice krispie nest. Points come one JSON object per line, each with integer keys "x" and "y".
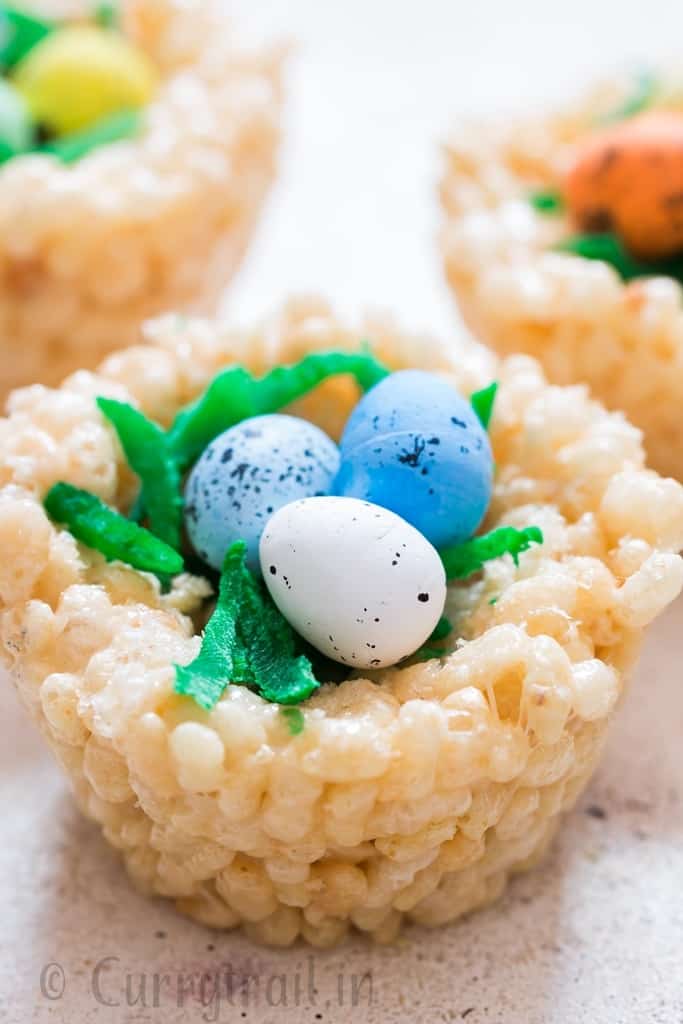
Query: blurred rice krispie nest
{"x": 89, "y": 250}
{"x": 577, "y": 316}
{"x": 414, "y": 791}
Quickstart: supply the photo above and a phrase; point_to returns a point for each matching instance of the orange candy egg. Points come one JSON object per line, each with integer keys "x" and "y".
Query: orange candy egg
{"x": 629, "y": 180}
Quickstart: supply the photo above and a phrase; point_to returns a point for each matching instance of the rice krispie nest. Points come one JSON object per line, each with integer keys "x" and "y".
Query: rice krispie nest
{"x": 575, "y": 315}
{"x": 414, "y": 791}
{"x": 160, "y": 221}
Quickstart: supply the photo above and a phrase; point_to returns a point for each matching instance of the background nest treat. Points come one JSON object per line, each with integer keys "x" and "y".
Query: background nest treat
{"x": 89, "y": 250}
{"x": 576, "y": 316}
{"x": 415, "y": 791}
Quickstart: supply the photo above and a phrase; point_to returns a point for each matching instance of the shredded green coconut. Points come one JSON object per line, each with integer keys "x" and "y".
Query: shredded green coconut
{"x": 235, "y": 395}
{"x": 462, "y": 560}
{"x": 145, "y": 447}
{"x": 295, "y": 720}
{"x": 641, "y": 97}
{"x": 277, "y": 673}
{"x": 159, "y": 457}
{"x": 125, "y": 124}
{"x": 482, "y": 403}
{"x": 432, "y": 648}
{"x": 547, "y": 201}
{"x": 220, "y": 659}
{"x": 100, "y": 527}
{"x": 248, "y": 642}
{"x": 610, "y": 249}
{"x": 19, "y": 33}
{"x": 107, "y": 14}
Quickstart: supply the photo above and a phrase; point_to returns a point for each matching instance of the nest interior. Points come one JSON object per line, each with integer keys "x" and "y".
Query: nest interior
{"x": 412, "y": 792}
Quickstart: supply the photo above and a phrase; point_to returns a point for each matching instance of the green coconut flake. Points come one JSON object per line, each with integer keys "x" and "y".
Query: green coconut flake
{"x": 432, "y": 647}
{"x": 235, "y": 395}
{"x": 100, "y": 527}
{"x": 107, "y": 14}
{"x": 294, "y": 718}
{"x": 547, "y": 200}
{"x": 608, "y": 248}
{"x": 125, "y": 124}
{"x": 247, "y": 642}
{"x": 462, "y": 560}
{"x": 146, "y": 449}
{"x": 276, "y": 672}
{"x": 221, "y": 657}
{"x": 442, "y": 629}
{"x": 643, "y": 94}
{"x": 482, "y": 403}
{"x": 19, "y": 33}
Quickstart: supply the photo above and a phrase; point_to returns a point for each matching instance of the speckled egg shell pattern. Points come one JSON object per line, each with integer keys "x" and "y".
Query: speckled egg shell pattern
{"x": 358, "y": 582}
{"x": 249, "y": 472}
{"x": 415, "y": 446}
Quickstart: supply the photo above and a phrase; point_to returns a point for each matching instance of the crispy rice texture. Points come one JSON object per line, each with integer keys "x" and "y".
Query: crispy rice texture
{"x": 411, "y": 793}
{"x": 576, "y": 316}
{"x": 159, "y": 222}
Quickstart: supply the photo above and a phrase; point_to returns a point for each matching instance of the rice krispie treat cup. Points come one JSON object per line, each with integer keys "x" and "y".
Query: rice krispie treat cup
{"x": 89, "y": 249}
{"x": 560, "y": 241}
{"x": 411, "y": 792}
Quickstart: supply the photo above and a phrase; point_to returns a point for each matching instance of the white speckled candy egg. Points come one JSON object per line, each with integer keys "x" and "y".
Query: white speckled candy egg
{"x": 357, "y": 581}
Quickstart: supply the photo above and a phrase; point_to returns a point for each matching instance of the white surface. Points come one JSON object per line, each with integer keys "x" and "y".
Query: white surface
{"x": 593, "y": 937}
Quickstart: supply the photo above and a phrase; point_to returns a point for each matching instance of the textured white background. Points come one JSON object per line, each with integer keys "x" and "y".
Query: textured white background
{"x": 596, "y": 935}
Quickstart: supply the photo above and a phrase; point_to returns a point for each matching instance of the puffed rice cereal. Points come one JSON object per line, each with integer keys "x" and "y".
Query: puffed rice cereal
{"x": 90, "y": 249}
{"x": 577, "y": 316}
{"x": 410, "y": 793}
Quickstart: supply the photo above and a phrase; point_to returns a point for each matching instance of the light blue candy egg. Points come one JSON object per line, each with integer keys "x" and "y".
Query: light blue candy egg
{"x": 248, "y": 473}
{"x": 16, "y": 130}
{"x": 415, "y": 446}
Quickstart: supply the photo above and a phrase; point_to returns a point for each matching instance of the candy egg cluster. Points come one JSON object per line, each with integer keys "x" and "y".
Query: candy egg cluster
{"x": 63, "y": 81}
{"x": 346, "y": 538}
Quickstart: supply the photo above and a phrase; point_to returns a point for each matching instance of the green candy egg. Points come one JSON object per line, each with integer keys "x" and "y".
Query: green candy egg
{"x": 81, "y": 74}
{"x": 16, "y": 128}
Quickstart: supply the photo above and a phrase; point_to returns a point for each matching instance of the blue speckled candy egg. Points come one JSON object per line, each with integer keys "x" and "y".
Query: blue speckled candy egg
{"x": 247, "y": 474}
{"x": 415, "y": 446}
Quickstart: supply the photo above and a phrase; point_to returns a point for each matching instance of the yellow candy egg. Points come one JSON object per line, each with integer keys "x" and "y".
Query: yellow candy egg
{"x": 81, "y": 74}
